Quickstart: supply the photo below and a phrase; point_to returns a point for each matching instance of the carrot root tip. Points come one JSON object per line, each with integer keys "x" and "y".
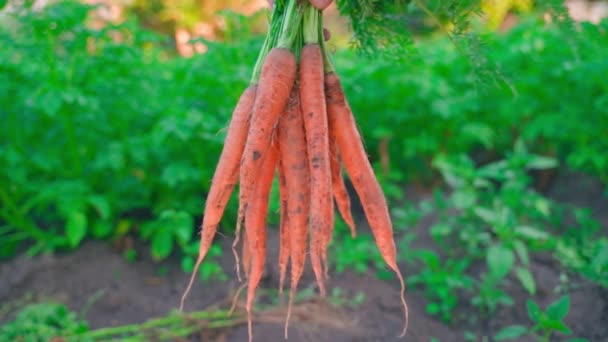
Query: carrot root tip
{"x": 236, "y": 299}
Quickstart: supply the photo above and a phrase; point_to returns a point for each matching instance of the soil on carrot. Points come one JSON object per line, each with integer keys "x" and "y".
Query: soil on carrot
{"x": 97, "y": 281}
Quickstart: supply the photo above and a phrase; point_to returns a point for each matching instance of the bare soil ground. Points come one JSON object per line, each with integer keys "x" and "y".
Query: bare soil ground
{"x": 98, "y": 281}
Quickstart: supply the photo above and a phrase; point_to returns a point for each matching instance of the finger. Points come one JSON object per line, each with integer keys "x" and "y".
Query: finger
{"x": 320, "y": 4}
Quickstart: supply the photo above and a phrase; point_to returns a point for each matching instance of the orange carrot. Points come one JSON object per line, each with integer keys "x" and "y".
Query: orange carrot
{"x": 338, "y": 186}
{"x": 246, "y": 254}
{"x": 362, "y": 175}
{"x": 224, "y": 178}
{"x": 292, "y": 149}
{"x": 283, "y": 228}
{"x": 315, "y": 123}
{"x": 276, "y": 80}
{"x": 255, "y": 226}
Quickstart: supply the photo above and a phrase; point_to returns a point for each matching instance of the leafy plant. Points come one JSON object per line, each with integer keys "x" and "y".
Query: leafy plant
{"x": 492, "y": 215}
{"x": 545, "y": 323}
{"x": 105, "y": 135}
{"x": 42, "y": 322}
{"x": 442, "y": 282}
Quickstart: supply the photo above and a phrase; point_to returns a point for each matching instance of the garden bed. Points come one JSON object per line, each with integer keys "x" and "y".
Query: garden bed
{"x": 97, "y": 281}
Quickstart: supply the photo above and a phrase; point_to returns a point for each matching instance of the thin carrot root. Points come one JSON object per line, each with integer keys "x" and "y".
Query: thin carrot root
{"x": 246, "y": 256}
{"x": 289, "y": 306}
{"x": 255, "y": 227}
{"x": 224, "y": 178}
{"x": 284, "y": 245}
{"x": 338, "y": 186}
{"x": 403, "y": 302}
{"x": 237, "y": 260}
{"x": 294, "y": 157}
{"x": 235, "y": 299}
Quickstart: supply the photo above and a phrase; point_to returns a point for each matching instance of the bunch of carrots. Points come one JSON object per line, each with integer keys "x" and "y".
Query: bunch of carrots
{"x": 294, "y": 120}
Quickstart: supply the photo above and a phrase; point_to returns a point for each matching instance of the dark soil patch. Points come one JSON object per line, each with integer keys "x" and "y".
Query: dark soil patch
{"x": 111, "y": 291}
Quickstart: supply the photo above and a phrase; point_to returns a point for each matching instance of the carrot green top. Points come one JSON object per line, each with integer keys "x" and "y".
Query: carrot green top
{"x": 270, "y": 40}
{"x": 310, "y": 25}
{"x": 292, "y": 21}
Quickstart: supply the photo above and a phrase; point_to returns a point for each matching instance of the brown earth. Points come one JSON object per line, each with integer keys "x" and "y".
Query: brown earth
{"x": 98, "y": 281}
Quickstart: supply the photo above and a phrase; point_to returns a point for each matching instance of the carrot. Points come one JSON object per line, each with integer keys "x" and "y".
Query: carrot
{"x": 320, "y": 4}
{"x": 276, "y": 79}
{"x": 255, "y": 227}
{"x": 362, "y": 175}
{"x": 293, "y": 155}
{"x": 246, "y": 254}
{"x": 338, "y": 186}
{"x": 283, "y": 228}
{"x": 315, "y": 124}
{"x": 224, "y": 178}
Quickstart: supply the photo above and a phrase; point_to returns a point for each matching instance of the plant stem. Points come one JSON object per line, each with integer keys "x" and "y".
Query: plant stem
{"x": 270, "y": 40}
{"x": 327, "y": 64}
{"x": 18, "y": 220}
{"x": 218, "y": 319}
{"x": 310, "y": 25}
{"x": 292, "y": 22}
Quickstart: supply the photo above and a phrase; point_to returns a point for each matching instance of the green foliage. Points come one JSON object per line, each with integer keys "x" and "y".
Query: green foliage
{"x": 545, "y": 323}
{"x": 107, "y": 134}
{"x": 42, "y": 322}
{"x": 104, "y": 133}
{"x": 554, "y": 98}
{"x": 49, "y": 321}
{"x": 492, "y": 216}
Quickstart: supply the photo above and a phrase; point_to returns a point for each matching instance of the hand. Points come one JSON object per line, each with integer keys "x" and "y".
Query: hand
{"x": 321, "y": 4}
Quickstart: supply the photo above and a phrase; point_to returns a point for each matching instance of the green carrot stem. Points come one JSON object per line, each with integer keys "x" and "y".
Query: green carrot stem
{"x": 276, "y": 21}
{"x": 310, "y": 25}
{"x": 172, "y": 320}
{"x": 292, "y": 23}
{"x": 327, "y": 64}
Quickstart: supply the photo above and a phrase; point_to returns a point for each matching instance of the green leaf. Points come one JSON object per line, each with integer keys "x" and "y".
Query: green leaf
{"x": 522, "y": 252}
{"x": 534, "y": 312}
{"x": 487, "y": 215}
{"x": 463, "y": 198}
{"x": 500, "y": 260}
{"x": 162, "y": 244}
{"x": 480, "y": 131}
{"x": 557, "y": 326}
{"x": 526, "y": 279}
{"x": 510, "y": 333}
{"x": 531, "y": 233}
{"x": 101, "y": 229}
{"x": 182, "y": 227}
{"x": 76, "y": 228}
{"x": 101, "y": 205}
{"x": 495, "y": 170}
{"x": 433, "y": 308}
{"x": 49, "y": 101}
{"x": 559, "y": 309}
{"x": 439, "y": 230}
{"x": 541, "y": 163}
{"x": 187, "y": 264}
{"x": 578, "y": 339}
